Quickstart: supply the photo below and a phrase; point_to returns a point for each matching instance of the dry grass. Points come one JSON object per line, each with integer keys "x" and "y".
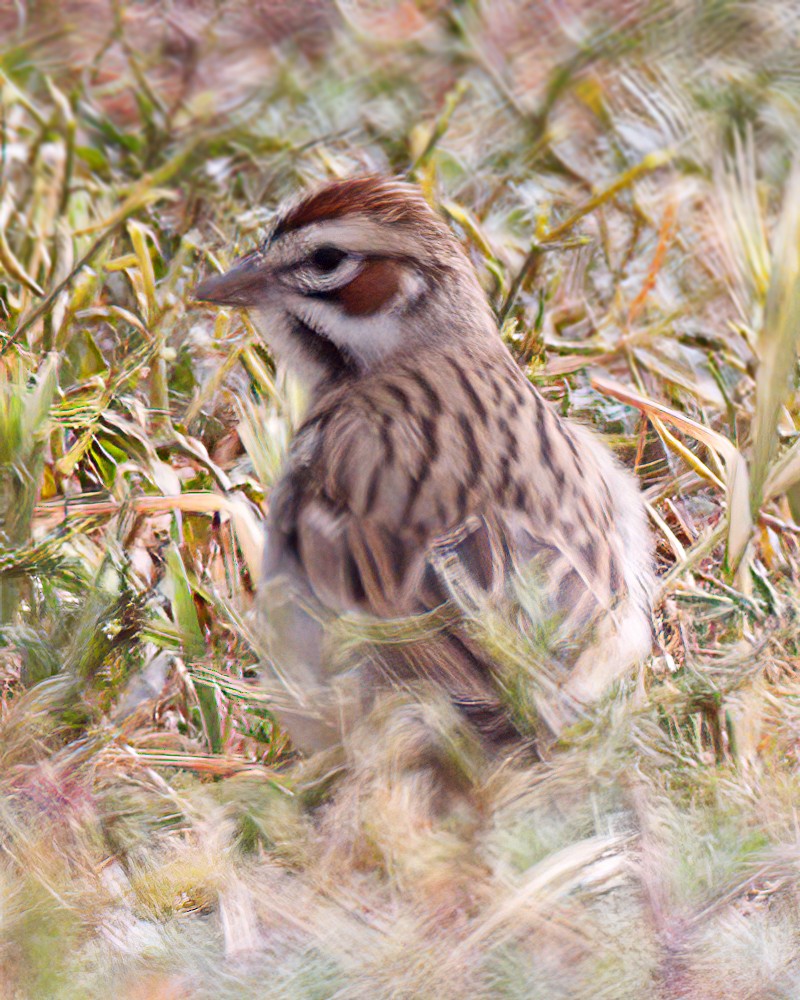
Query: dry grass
{"x": 624, "y": 177}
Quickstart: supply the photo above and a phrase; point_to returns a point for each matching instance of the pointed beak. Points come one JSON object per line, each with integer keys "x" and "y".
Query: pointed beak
{"x": 243, "y": 285}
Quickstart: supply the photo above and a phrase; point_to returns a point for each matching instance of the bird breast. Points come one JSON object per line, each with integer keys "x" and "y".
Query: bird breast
{"x": 407, "y": 455}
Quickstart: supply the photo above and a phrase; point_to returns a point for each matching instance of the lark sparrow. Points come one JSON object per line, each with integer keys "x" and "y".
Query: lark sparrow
{"x": 428, "y": 473}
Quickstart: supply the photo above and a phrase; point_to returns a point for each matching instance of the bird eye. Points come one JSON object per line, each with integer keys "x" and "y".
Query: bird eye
{"x": 327, "y": 258}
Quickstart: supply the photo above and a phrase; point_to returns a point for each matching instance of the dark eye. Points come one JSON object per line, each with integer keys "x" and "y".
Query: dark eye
{"x": 327, "y": 258}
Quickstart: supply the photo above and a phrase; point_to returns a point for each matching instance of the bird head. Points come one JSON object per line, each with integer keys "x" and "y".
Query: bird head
{"x": 352, "y": 274}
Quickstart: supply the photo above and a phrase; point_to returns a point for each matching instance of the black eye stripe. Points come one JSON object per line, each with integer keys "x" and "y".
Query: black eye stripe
{"x": 327, "y": 258}
{"x": 360, "y": 257}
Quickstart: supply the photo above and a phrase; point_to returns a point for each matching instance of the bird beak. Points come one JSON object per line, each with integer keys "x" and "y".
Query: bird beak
{"x": 243, "y": 285}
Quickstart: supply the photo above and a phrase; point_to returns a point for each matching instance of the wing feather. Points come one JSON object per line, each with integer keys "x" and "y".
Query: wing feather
{"x": 383, "y": 515}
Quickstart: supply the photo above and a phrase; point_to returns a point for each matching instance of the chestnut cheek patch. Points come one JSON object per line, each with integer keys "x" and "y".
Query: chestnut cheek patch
{"x": 371, "y": 289}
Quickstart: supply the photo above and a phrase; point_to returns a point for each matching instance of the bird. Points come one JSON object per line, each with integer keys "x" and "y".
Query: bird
{"x": 429, "y": 482}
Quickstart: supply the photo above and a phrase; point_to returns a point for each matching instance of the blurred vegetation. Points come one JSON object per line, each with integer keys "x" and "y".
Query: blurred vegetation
{"x": 625, "y": 179}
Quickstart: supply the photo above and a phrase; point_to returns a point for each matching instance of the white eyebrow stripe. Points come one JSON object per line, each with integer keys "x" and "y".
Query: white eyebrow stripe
{"x": 355, "y": 234}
